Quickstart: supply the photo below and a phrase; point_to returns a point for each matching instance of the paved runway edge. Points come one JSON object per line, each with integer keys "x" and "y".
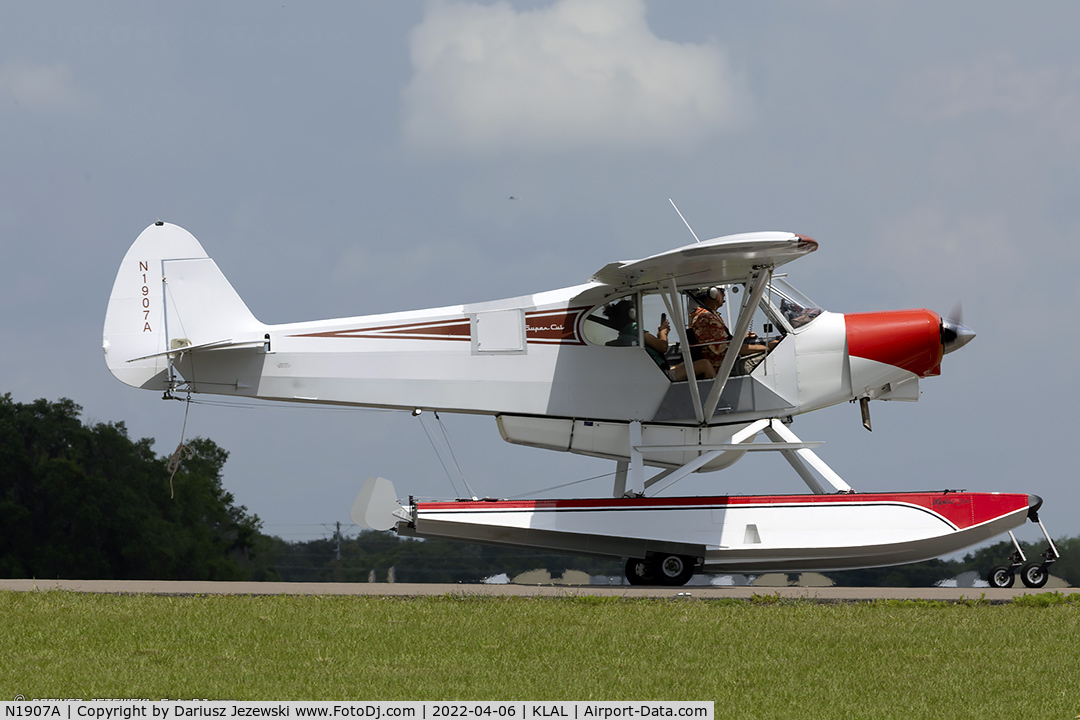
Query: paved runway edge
{"x": 703, "y": 592}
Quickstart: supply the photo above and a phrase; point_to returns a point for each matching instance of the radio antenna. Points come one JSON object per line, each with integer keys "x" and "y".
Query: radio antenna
{"x": 684, "y": 220}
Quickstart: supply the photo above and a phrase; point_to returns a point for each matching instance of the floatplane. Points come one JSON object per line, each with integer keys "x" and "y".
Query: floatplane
{"x": 646, "y": 364}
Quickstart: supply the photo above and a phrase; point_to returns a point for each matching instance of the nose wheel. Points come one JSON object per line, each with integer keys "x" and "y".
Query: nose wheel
{"x": 1001, "y": 576}
{"x": 1032, "y": 574}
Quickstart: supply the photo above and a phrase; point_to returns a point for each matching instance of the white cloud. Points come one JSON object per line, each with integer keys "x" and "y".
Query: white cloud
{"x": 42, "y": 88}
{"x": 580, "y": 73}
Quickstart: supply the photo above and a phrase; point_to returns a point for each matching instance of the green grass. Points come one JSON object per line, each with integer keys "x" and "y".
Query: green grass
{"x": 769, "y": 657}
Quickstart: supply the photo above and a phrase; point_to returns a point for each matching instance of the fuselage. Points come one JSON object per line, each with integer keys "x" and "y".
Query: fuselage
{"x": 536, "y": 360}
{"x": 560, "y": 369}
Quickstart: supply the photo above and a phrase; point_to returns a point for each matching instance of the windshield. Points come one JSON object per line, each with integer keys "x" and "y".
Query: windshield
{"x": 796, "y": 308}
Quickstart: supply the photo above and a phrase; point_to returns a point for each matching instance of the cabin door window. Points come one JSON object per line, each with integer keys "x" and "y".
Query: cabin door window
{"x": 614, "y": 323}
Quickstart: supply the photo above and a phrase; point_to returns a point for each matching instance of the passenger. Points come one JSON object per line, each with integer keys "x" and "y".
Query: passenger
{"x": 623, "y": 315}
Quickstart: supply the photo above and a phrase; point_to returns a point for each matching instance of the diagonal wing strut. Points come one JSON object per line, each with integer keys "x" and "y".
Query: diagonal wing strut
{"x": 758, "y": 280}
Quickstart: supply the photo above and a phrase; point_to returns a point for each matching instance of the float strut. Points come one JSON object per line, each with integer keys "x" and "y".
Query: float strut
{"x": 1051, "y": 553}
{"x": 1018, "y": 558}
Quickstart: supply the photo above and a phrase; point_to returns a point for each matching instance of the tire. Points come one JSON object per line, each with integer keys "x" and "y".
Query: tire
{"x": 673, "y": 569}
{"x": 1001, "y": 576}
{"x": 1034, "y": 575}
{"x": 639, "y": 571}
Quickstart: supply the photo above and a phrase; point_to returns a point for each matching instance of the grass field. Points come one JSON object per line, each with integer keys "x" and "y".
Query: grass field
{"x": 764, "y": 658}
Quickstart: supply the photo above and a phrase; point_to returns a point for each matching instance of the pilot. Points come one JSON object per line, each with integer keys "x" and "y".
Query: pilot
{"x": 713, "y": 336}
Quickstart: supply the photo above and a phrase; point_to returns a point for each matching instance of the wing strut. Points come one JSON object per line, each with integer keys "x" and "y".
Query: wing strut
{"x": 674, "y": 308}
{"x": 758, "y": 279}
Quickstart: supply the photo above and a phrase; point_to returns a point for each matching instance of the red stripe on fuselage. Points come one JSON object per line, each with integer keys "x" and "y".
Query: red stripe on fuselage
{"x": 908, "y": 339}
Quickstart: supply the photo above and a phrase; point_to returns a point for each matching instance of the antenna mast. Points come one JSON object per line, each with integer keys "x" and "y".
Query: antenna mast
{"x": 684, "y": 220}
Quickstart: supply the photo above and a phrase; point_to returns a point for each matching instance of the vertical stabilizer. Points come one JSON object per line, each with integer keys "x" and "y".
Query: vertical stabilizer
{"x": 169, "y": 295}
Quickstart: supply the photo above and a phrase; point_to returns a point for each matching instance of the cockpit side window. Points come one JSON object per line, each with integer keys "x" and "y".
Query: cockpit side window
{"x": 614, "y": 323}
{"x": 618, "y": 324}
{"x": 712, "y": 319}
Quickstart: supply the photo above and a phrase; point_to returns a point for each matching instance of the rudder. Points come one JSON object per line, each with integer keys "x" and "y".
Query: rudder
{"x": 168, "y": 294}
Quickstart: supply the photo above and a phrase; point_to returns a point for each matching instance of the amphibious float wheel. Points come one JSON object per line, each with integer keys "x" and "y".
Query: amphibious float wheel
{"x": 673, "y": 569}
{"x": 1001, "y": 577}
{"x": 1034, "y": 575}
{"x": 639, "y": 571}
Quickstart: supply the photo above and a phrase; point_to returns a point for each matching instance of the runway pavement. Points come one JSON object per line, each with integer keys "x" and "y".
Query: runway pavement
{"x": 702, "y": 592}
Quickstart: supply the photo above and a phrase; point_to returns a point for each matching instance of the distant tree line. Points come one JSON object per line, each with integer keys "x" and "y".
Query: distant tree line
{"x": 84, "y": 501}
{"x": 373, "y": 554}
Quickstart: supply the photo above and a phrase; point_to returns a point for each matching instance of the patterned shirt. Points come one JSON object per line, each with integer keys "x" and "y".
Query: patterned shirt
{"x": 709, "y": 328}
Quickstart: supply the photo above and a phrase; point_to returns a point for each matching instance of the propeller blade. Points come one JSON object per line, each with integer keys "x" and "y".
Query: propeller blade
{"x": 957, "y": 314}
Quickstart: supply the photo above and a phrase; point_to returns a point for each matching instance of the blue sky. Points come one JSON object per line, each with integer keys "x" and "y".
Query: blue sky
{"x": 352, "y": 158}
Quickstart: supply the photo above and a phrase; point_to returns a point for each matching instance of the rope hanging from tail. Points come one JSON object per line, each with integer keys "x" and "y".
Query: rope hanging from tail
{"x": 182, "y": 452}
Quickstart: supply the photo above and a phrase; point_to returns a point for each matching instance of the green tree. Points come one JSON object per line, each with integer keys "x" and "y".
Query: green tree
{"x": 80, "y": 501}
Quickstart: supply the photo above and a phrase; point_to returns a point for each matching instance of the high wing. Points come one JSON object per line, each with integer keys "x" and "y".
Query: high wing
{"x": 712, "y": 262}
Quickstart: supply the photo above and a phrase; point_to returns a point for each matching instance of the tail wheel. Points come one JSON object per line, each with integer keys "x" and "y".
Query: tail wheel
{"x": 1034, "y": 575}
{"x": 673, "y": 569}
{"x": 1001, "y": 577}
{"x": 639, "y": 571}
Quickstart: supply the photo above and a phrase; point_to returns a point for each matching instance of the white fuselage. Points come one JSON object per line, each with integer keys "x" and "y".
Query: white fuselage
{"x": 554, "y": 367}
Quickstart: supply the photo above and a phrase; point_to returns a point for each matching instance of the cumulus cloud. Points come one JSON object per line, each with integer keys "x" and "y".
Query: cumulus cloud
{"x": 43, "y": 88}
{"x": 580, "y": 73}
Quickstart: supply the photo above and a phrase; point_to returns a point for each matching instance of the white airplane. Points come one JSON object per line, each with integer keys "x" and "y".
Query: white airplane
{"x": 580, "y": 370}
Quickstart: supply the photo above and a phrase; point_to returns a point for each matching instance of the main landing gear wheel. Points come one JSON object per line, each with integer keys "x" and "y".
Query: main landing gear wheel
{"x": 1034, "y": 575}
{"x": 1001, "y": 577}
{"x": 639, "y": 571}
{"x": 673, "y": 569}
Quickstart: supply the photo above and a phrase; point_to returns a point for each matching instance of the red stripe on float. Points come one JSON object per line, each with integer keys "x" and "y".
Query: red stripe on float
{"x": 962, "y": 509}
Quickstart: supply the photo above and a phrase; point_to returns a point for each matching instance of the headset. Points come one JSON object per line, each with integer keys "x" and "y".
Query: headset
{"x": 712, "y": 293}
